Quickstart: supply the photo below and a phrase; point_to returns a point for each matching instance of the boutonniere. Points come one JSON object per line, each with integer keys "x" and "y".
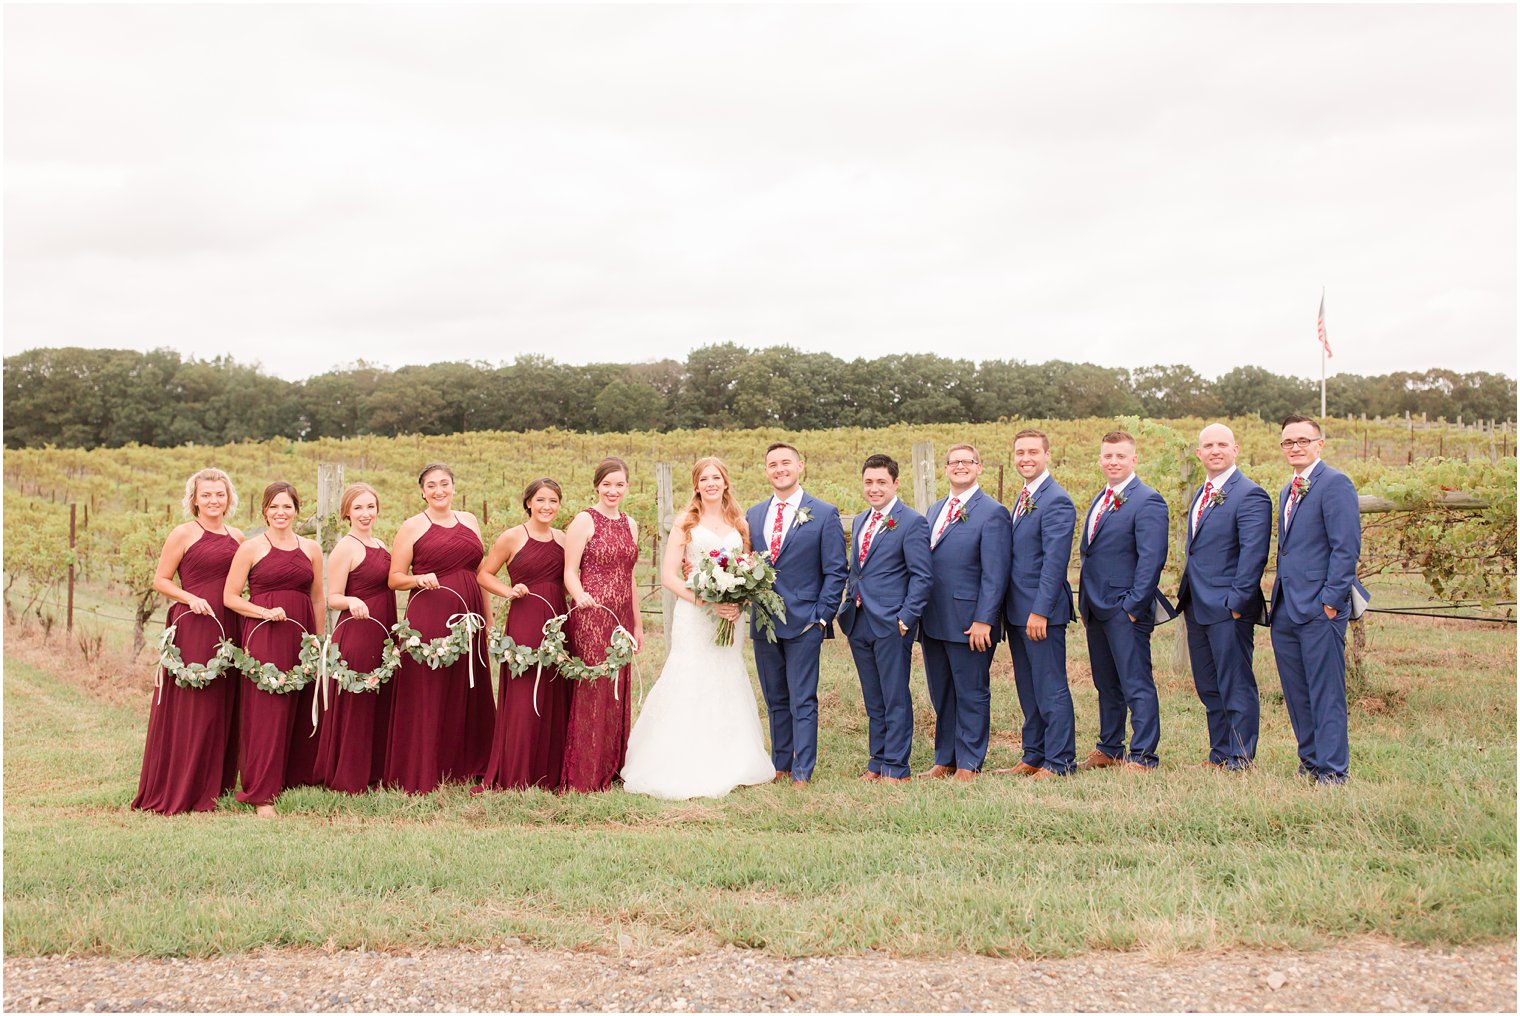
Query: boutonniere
{"x": 1119, "y": 500}
{"x": 889, "y": 525}
{"x": 804, "y": 516}
{"x": 959, "y": 515}
{"x": 1302, "y": 486}
{"x": 1216, "y": 499}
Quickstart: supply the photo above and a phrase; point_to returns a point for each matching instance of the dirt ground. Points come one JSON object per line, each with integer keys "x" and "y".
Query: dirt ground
{"x": 1365, "y": 975}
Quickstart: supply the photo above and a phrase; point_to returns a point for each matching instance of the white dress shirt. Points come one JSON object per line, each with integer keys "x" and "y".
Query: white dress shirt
{"x": 1093, "y": 514}
{"x": 886, "y": 512}
{"x": 1218, "y": 485}
{"x": 1031, "y": 486}
{"x": 788, "y": 516}
{"x": 944, "y": 513}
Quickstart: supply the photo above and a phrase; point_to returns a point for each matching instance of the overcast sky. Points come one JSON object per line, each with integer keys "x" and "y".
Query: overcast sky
{"x": 303, "y": 186}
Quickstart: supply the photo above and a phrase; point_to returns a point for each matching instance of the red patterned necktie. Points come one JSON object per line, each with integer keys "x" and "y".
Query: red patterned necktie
{"x": 1023, "y": 505}
{"x": 949, "y": 518}
{"x": 1108, "y": 496}
{"x": 1294, "y": 495}
{"x": 865, "y": 541}
{"x": 1203, "y": 502}
{"x": 776, "y": 530}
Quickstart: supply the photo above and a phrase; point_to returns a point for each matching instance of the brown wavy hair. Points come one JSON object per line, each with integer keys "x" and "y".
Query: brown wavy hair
{"x": 692, "y": 513}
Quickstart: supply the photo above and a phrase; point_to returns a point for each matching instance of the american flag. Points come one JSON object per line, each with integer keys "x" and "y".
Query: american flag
{"x": 1323, "y": 341}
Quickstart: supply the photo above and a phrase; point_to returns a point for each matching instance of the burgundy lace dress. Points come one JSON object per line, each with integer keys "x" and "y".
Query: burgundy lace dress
{"x": 529, "y": 746}
{"x": 268, "y": 723}
{"x": 596, "y": 739}
{"x": 191, "y": 755}
{"x": 440, "y": 727}
{"x": 351, "y": 755}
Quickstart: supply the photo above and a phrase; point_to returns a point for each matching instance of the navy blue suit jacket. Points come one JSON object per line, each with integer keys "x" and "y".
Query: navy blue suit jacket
{"x": 811, "y": 568}
{"x": 894, "y": 582}
{"x": 1122, "y": 563}
{"x": 970, "y": 566}
{"x": 1318, "y": 550}
{"x": 1227, "y": 554}
{"x": 1040, "y": 554}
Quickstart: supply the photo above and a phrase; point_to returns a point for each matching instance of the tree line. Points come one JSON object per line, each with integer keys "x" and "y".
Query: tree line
{"x": 75, "y": 397}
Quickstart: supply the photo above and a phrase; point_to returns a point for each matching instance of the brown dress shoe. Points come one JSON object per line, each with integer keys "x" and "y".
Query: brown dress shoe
{"x": 782, "y": 776}
{"x": 1136, "y": 767}
{"x": 1043, "y": 774}
{"x": 964, "y": 776}
{"x": 1025, "y": 769}
{"x": 895, "y": 779}
{"x": 869, "y": 776}
{"x": 799, "y": 784}
{"x": 1209, "y": 764}
{"x": 1097, "y": 760}
{"x": 938, "y": 772}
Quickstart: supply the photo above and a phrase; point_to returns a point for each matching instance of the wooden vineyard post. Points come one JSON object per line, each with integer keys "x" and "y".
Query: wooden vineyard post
{"x": 664, "y": 518}
{"x": 923, "y": 476}
{"x": 73, "y": 516}
{"x": 329, "y": 498}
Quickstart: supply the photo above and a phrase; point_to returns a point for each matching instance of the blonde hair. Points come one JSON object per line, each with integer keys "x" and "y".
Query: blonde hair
{"x": 351, "y": 494}
{"x": 208, "y": 475}
{"x": 692, "y": 513}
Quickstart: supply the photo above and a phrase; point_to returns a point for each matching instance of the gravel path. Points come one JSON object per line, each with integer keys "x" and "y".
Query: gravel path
{"x": 1367, "y": 975}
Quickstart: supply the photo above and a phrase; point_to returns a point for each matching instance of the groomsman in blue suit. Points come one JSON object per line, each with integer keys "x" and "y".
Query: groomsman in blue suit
{"x": 968, "y": 544}
{"x": 805, "y": 541}
{"x": 1038, "y": 610}
{"x": 1319, "y": 540}
{"x": 1124, "y": 543}
{"x": 1229, "y": 533}
{"x": 888, "y": 589}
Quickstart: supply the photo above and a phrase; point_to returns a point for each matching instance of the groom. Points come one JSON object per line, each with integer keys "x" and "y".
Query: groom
{"x": 803, "y": 538}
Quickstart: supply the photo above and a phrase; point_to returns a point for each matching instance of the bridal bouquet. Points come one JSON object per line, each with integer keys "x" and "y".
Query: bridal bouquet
{"x": 723, "y": 577}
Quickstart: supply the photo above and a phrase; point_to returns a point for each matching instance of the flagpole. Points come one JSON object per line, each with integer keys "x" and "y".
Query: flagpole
{"x": 1322, "y": 356}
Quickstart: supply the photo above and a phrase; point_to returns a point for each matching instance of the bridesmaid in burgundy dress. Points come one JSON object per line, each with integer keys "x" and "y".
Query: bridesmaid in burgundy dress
{"x": 440, "y": 729}
{"x": 529, "y": 746}
{"x": 351, "y": 755}
{"x": 191, "y": 756}
{"x": 601, "y": 547}
{"x": 283, "y": 572}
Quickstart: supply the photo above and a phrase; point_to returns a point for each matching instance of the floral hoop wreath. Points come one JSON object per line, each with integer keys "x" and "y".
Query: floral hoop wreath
{"x": 267, "y": 677}
{"x": 190, "y": 675}
{"x": 551, "y": 652}
{"x": 444, "y": 651}
{"x": 331, "y": 664}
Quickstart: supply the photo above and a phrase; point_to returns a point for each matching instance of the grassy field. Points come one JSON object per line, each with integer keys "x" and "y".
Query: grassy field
{"x": 1420, "y": 846}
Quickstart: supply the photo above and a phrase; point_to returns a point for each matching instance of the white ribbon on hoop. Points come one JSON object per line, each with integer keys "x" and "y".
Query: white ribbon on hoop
{"x": 319, "y": 700}
{"x": 473, "y": 623}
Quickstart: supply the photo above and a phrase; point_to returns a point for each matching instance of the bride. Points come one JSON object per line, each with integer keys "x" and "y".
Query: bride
{"x": 699, "y": 732}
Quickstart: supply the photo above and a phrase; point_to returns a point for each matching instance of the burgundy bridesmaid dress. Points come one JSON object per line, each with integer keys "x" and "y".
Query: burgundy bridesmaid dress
{"x": 529, "y": 745}
{"x": 351, "y": 754}
{"x": 440, "y": 727}
{"x": 191, "y": 734}
{"x": 596, "y": 740}
{"x": 267, "y": 724}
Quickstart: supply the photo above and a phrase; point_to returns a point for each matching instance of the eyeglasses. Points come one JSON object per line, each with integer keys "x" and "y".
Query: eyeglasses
{"x": 1297, "y": 442}
{"x": 960, "y": 462}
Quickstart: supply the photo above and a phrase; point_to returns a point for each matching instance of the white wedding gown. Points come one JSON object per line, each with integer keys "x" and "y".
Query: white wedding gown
{"x": 698, "y": 734}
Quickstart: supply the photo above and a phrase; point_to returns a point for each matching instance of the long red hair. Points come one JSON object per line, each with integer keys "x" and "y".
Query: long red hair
{"x": 692, "y": 513}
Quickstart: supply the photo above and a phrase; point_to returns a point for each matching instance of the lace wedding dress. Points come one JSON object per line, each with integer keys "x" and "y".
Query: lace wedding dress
{"x": 698, "y": 734}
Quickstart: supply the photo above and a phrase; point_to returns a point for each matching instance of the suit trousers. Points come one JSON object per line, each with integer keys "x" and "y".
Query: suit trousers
{"x": 1221, "y": 655}
{"x": 961, "y": 692}
{"x": 1311, "y": 661}
{"x": 1120, "y": 650}
{"x": 884, "y": 665}
{"x": 788, "y": 670}
{"x": 1039, "y": 675}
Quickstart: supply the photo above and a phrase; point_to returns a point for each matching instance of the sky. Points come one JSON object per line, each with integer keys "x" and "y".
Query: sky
{"x": 304, "y": 187}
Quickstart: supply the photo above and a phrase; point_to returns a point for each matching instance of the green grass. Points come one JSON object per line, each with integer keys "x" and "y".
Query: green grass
{"x": 1420, "y": 846}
